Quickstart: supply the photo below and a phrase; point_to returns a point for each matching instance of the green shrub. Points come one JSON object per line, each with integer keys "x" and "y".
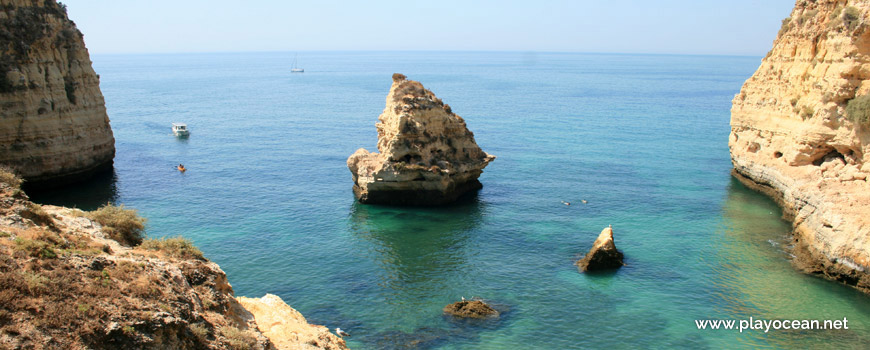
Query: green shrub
{"x": 807, "y": 112}
{"x": 122, "y": 225}
{"x": 176, "y": 247}
{"x": 850, "y": 17}
{"x": 786, "y": 25}
{"x": 35, "y": 248}
{"x": 858, "y": 110}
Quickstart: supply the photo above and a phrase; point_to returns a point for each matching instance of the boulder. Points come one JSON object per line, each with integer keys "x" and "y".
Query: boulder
{"x": 470, "y": 309}
{"x": 603, "y": 254}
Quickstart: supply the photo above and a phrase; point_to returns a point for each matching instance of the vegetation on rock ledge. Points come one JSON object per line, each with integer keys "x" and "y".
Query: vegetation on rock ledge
{"x": 858, "y": 110}
{"x": 121, "y": 224}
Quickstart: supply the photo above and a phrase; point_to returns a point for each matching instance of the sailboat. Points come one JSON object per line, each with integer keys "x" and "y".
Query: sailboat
{"x": 296, "y": 69}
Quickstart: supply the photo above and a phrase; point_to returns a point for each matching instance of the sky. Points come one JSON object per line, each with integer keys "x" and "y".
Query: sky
{"x": 735, "y": 27}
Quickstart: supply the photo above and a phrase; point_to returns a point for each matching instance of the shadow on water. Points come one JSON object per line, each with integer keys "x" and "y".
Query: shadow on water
{"x": 752, "y": 276}
{"x": 86, "y": 195}
{"x": 423, "y": 253}
{"x": 418, "y": 244}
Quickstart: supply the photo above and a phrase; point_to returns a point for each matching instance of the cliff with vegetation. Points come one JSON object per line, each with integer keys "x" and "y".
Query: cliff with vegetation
{"x": 89, "y": 280}
{"x": 53, "y": 122}
{"x": 427, "y": 154}
{"x": 800, "y": 131}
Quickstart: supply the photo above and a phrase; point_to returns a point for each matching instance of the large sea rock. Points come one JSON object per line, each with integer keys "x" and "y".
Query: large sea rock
{"x": 794, "y": 136}
{"x": 53, "y": 123}
{"x": 603, "y": 255}
{"x": 427, "y": 154}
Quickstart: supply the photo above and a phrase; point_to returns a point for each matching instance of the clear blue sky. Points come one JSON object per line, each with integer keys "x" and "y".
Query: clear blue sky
{"x": 736, "y": 27}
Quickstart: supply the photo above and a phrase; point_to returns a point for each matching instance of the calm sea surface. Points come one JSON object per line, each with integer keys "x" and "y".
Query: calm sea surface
{"x": 642, "y": 138}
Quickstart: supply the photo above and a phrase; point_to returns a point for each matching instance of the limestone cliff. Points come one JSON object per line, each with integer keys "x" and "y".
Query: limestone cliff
{"x": 65, "y": 285}
{"x": 799, "y": 132}
{"x": 53, "y": 122}
{"x": 427, "y": 154}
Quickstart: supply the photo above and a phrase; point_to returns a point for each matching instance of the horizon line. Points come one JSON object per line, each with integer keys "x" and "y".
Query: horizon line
{"x": 426, "y": 51}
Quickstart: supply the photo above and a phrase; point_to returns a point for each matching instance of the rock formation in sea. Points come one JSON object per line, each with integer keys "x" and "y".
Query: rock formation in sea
{"x": 286, "y": 327}
{"x": 470, "y": 309}
{"x": 53, "y": 123}
{"x": 800, "y": 132}
{"x": 603, "y": 255}
{"x": 64, "y": 284}
{"x": 427, "y": 154}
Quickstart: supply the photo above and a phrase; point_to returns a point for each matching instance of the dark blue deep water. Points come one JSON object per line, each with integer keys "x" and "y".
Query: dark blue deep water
{"x": 642, "y": 138}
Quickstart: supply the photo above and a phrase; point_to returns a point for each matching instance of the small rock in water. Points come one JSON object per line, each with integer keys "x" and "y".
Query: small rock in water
{"x": 603, "y": 254}
{"x": 470, "y": 309}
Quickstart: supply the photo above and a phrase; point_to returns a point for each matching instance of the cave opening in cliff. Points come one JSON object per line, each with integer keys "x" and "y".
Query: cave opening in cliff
{"x": 831, "y": 155}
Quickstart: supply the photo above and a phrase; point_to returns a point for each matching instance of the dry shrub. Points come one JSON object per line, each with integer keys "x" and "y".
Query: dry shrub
{"x": 34, "y": 212}
{"x": 175, "y": 247}
{"x": 8, "y": 176}
{"x": 121, "y": 224}
{"x": 239, "y": 339}
{"x": 199, "y": 331}
{"x": 144, "y": 287}
{"x": 206, "y": 296}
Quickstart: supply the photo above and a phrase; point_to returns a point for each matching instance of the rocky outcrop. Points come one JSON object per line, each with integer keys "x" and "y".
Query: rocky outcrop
{"x": 603, "y": 255}
{"x": 53, "y": 123}
{"x": 797, "y": 134}
{"x": 427, "y": 154}
{"x": 64, "y": 284}
{"x": 287, "y": 327}
{"x": 470, "y": 309}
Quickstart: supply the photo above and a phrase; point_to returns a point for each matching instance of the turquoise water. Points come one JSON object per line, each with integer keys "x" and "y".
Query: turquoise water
{"x": 642, "y": 138}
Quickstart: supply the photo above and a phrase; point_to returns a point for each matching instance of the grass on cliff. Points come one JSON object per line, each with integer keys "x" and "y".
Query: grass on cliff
{"x": 8, "y": 177}
{"x": 858, "y": 110}
{"x": 175, "y": 247}
{"x": 121, "y": 224}
{"x": 847, "y": 17}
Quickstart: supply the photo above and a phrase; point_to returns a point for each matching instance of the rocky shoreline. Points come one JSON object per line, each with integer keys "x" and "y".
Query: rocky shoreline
{"x": 66, "y": 283}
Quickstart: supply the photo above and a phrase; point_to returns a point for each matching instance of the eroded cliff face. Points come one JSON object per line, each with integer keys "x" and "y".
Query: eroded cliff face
{"x": 792, "y": 137}
{"x": 53, "y": 122}
{"x": 64, "y": 284}
{"x": 427, "y": 154}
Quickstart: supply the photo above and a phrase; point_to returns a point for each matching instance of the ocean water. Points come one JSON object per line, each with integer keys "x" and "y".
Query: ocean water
{"x": 642, "y": 138}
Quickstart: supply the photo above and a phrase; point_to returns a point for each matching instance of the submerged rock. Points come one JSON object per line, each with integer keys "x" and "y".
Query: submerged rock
{"x": 470, "y": 309}
{"x": 603, "y": 254}
{"x": 427, "y": 154}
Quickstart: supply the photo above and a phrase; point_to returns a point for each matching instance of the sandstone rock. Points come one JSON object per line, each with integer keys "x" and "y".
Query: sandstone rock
{"x": 603, "y": 254}
{"x": 53, "y": 122}
{"x": 286, "y": 327}
{"x": 427, "y": 154}
{"x": 470, "y": 309}
{"x": 791, "y": 138}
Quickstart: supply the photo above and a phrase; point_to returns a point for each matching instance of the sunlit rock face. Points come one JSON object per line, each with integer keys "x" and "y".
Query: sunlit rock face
{"x": 795, "y": 136}
{"x": 427, "y": 154}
